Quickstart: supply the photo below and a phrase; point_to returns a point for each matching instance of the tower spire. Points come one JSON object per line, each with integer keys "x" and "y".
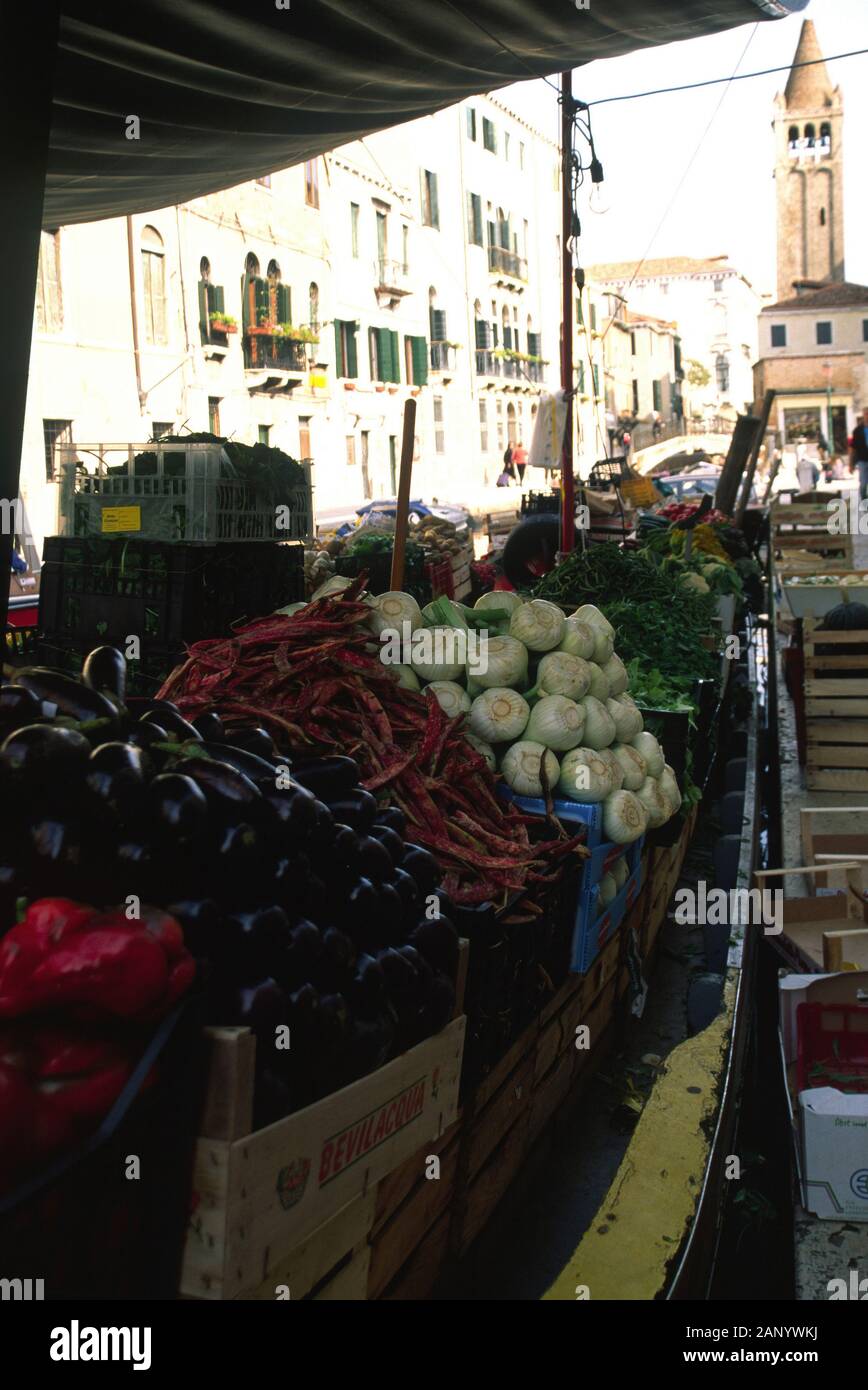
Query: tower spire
{"x": 808, "y": 87}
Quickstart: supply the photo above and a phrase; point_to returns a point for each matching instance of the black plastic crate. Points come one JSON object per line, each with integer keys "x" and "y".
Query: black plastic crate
{"x": 164, "y": 593}
{"x": 540, "y": 503}
{"x": 379, "y": 571}
{"x": 144, "y": 675}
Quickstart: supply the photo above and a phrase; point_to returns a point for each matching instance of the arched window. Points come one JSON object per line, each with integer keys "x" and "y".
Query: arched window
{"x": 810, "y": 133}
{"x": 313, "y": 306}
{"x": 826, "y": 137}
{"x": 511, "y": 426}
{"x": 279, "y": 305}
{"x": 205, "y": 269}
{"x": 154, "y": 285}
{"x": 721, "y": 370}
{"x": 793, "y": 138}
{"x": 822, "y": 217}
{"x": 507, "y": 328}
{"x": 251, "y": 265}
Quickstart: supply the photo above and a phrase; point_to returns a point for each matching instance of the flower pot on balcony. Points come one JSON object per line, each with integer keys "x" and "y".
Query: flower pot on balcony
{"x": 416, "y": 391}
{"x": 393, "y": 390}
{"x": 379, "y": 386}
{"x": 218, "y": 327}
{"x": 261, "y": 330}
{"x": 349, "y": 386}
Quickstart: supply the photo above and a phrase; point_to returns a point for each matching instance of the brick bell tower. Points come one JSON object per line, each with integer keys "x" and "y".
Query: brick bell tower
{"x": 809, "y": 126}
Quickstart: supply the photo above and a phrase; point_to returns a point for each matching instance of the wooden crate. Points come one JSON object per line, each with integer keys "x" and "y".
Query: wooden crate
{"x": 836, "y": 712}
{"x": 822, "y": 931}
{"x": 820, "y": 846}
{"x": 408, "y": 1204}
{"x": 260, "y": 1196}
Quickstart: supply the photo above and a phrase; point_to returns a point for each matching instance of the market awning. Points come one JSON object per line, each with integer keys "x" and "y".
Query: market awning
{"x": 229, "y": 91}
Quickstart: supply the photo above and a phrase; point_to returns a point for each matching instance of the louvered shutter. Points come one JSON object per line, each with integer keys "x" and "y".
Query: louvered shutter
{"x": 483, "y": 335}
{"x": 284, "y": 304}
{"x": 438, "y": 325}
{"x": 581, "y": 376}
{"x": 352, "y": 353}
{"x": 533, "y": 345}
{"x": 204, "y": 324}
{"x": 384, "y": 354}
{"x": 507, "y": 336}
{"x": 420, "y": 361}
{"x": 435, "y": 207}
{"x": 261, "y": 300}
{"x": 339, "y": 353}
{"x": 246, "y": 300}
{"x": 394, "y": 351}
{"x": 215, "y": 299}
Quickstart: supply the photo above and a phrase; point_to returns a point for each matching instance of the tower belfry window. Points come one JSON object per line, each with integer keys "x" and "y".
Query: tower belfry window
{"x": 825, "y": 138}
{"x": 810, "y": 135}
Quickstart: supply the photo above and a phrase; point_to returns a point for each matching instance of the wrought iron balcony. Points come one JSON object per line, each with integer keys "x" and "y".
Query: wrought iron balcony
{"x": 273, "y": 350}
{"x": 507, "y": 263}
{"x": 393, "y": 277}
{"x": 442, "y": 357}
{"x": 487, "y": 364}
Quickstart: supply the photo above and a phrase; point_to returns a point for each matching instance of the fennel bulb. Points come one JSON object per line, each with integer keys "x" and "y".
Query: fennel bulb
{"x": 499, "y": 661}
{"x": 579, "y": 639}
{"x": 615, "y": 769}
{"x": 657, "y": 805}
{"x": 607, "y": 892}
{"x": 557, "y": 723}
{"x": 498, "y": 715}
{"x": 406, "y": 677}
{"x": 633, "y": 766}
{"x": 620, "y": 871}
{"x": 390, "y": 611}
{"x": 669, "y": 787}
{"x": 451, "y": 698}
{"x": 616, "y": 674}
{"x": 627, "y": 702}
{"x": 591, "y": 615}
{"x": 599, "y": 724}
{"x": 624, "y": 817}
{"x": 437, "y": 653}
{"x": 599, "y": 686}
{"x": 561, "y": 673}
{"x": 335, "y": 585}
{"x": 604, "y": 646}
{"x": 521, "y": 766}
{"x": 584, "y": 776}
{"x": 651, "y": 751}
{"x": 538, "y": 624}
{"x": 504, "y": 599}
{"x": 623, "y": 718}
{"x": 484, "y": 750}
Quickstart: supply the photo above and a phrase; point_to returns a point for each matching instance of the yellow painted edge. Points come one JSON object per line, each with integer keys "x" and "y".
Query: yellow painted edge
{"x": 639, "y": 1227}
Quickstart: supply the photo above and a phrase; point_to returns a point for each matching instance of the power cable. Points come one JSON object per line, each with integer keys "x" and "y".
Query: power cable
{"x": 736, "y": 77}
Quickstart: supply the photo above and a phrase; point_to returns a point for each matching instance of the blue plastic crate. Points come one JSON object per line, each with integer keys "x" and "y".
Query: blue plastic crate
{"x": 577, "y": 812}
{"x": 604, "y": 856}
{"x": 593, "y": 929}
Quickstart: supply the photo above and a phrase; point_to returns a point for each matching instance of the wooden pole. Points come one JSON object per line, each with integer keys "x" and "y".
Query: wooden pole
{"x": 403, "y": 506}
{"x": 568, "y": 501}
{"x": 754, "y": 455}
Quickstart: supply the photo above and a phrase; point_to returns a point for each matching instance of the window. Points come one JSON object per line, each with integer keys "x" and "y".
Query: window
{"x": 49, "y": 308}
{"x": 506, "y": 145}
{"x": 214, "y": 414}
{"x": 471, "y": 122}
{"x": 595, "y": 370}
{"x": 593, "y": 318}
{"x": 489, "y": 135}
{"x": 779, "y": 335}
{"x": 279, "y": 296}
{"x": 632, "y": 344}
{"x": 384, "y": 355}
{"x": 865, "y": 330}
{"x": 809, "y": 136}
{"x": 311, "y": 183}
{"x": 54, "y": 432}
{"x": 304, "y": 449}
{"x": 161, "y": 428}
{"x": 439, "y": 432}
{"x": 154, "y": 286}
{"x": 657, "y": 395}
{"x": 354, "y": 228}
{"x": 526, "y": 246}
{"x": 265, "y": 181}
{"x": 346, "y": 353}
{"x": 263, "y": 433}
{"x": 405, "y": 247}
{"x": 581, "y": 380}
{"x": 822, "y": 217}
{"x": 430, "y": 208}
{"x": 636, "y": 396}
{"x": 521, "y": 154}
{"x": 499, "y": 410}
{"x": 824, "y": 334}
{"x": 474, "y": 219}
{"x": 580, "y": 313}
{"x": 351, "y": 449}
{"x": 826, "y": 137}
{"x": 721, "y": 371}
{"x": 717, "y": 284}
{"x": 483, "y": 426}
{"x": 313, "y": 306}
{"x": 210, "y": 302}
{"x": 416, "y": 360}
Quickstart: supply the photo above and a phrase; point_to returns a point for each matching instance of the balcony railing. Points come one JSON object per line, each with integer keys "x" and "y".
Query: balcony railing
{"x": 507, "y": 262}
{"x": 442, "y": 357}
{"x": 393, "y": 276}
{"x": 487, "y": 364}
{"x": 276, "y": 351}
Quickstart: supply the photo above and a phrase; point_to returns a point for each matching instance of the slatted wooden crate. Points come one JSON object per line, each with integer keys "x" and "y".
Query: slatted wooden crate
{"x": 806, "y": 526}
{"x": 825, "y": 846}
{"x": 836, "y": 710}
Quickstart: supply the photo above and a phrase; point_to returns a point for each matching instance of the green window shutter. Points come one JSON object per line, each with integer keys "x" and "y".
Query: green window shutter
{"x": 438, "y": 325}
{"x": 284, "y": 304}
{"x": 596, "y": 380}
{"x": 261, "y": 301}
{"x": 483, "y": 334}
{"x": 203, "y": 308}
{"x": 216, "y": 299}
{"x": 533, "y": 345}
{"x": 581, "y": 376}
{"x": 507, "y": 335}
{"x": 657, "y": 395}
{"x": 395, "y": 359}
{"x": 352, "y": 352}
{"x": 435, "y": 207}
{"x": 420, "y": 361}
{"x": 246, "y": 281}
{"x": 339, "y": 353}
{"x": 384, "y": 354}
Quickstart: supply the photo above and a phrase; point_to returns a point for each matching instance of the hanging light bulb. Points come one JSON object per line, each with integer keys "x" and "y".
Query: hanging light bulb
{"x": 599, "y": 199}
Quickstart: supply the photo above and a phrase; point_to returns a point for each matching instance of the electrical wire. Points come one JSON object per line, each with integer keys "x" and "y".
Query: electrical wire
{"x": 736, "y": 77}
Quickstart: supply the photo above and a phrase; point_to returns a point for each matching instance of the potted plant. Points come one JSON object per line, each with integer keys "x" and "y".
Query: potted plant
{"x": 262, "y": 329}
{"x": 223, "y": 323}
{"x": 379, "y": 385}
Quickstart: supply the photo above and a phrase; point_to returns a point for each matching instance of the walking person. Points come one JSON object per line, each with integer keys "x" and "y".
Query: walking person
{"x": 859, "y": 453}
{"x": 508, "y": 465}
{"x": 519, "y": 458}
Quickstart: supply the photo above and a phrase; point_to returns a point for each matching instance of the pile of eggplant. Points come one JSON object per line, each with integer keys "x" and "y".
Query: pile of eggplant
{"x": 299, "y": 896}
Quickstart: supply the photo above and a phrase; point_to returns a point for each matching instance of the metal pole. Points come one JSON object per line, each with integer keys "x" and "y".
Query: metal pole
{"x": 403, "y": 504}
{"x": 568, "y": 507}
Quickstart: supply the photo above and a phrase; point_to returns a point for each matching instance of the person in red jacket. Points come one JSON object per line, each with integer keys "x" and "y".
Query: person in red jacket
{"x": 519, "y": 459}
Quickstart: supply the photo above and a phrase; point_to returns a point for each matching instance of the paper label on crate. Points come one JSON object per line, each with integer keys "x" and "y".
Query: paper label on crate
{"x": 121, "y": 519}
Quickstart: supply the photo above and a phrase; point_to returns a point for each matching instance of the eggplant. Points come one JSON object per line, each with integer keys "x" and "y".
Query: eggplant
{"x": 147, "y": 735}
{"x": 437, "y": 941}
{"x": 116, "y": 775}
{"x": 247, "y": 946}
{"x": 368, "y": 990}
{"x": 179, "y": 804}
{"x": 65, "y": 695}
{"x": 298, "y": 960}
{"x": 375, "y": 860}
{"x": 391, "y": 914}
{"x": 424, "y": 973}
{"x": 260, "y": 1007}
{"x": 393, "y": 818}
{"x": 18, "y": 705}
{"x": 105, "y": 670}
{"x": 357, "y": 809}
{"x": 239, "y": 854}
{"x": 439, "y": 1006}
{"x": 253, "y": 740}
{"x": 344, "y": 854}
{"x": 261, "y": 773}
{"x": 369, "y": 1044}
{"x": 327, "y": 777}
{"x": 224, "y": 786}
{"x": 423, "y": 867}
{"x": 391, "y": 842}
{"x": 315, "y": 897}
{"x": 357, "y": 912}
{"x": 339, "y": 951}
{"x": 322, "y": 833}
{"x": 294, "y": 811}
{"x": 173, "y": 722}
{"x": 40, "y": 757}
{"x": 209, "y": 726}
{"x": 199, "y": 918}
{"x": 405, "y": 886}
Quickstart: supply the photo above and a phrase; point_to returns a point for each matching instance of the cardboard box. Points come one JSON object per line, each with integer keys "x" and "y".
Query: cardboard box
{"x": 834, "y": 1129}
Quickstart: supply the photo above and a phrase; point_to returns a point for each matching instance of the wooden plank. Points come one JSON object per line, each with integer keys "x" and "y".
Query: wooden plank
{"x": 549, "y": 1095}
{"x": 396, "y": 1187}
{"x": 401, "y": 1236}
{"x": 818, "y": 780}
{"x": 844, "y": 949}
{"x": 273, "y": 1188}
{"x": 487, "y": 1130}
{"x": 837, "y": 731}
{"x": 842, "y": 661}
{"x": 814, "y": 634}
{"x": 562, "y": 997}
{"x": 227, "y": 1112}
{"x": 837, "y": 755}
{"x": 490, "y": 1184}
{"x": 311, "y": 1261}
{"x": 349, "y": 1284}
{"x": 597, "y": 1022}
{"x": 419, "y": 1275}
{"x": 825, "y": 688}
{"x": 521, "y": 1048}
{"x": 835, "y": 709}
